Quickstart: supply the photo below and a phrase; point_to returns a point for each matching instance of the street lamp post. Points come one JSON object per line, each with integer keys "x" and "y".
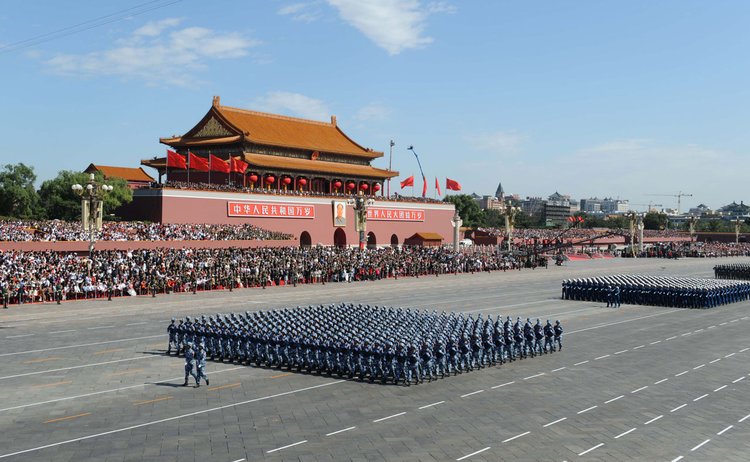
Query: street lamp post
{"x": 737, "y": 224}
{"x": 510, "y": 212}
{"x": 360, "y": 205}
{"x": 92, "y": 197}
{"x": 457, "y": 222}
{"x": 691, "y": 223}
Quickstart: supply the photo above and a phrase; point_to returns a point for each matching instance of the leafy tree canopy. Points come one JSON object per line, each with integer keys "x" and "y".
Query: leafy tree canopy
{"x": 60, "y": 202}
{"x": 18, "y": 197}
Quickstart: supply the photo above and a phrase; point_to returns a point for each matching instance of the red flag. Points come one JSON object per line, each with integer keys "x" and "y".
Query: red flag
{"x": 407, "y": 182}
{"x": 218, "y": 165}
{"x": 197, "y": 163}
{"x": 175, "y": 160}
{"x": 580, "y": 219}
{"x": 424, "y": 186}
{"x": 437, "y": 187}
{"x": 238, "y": 165}
{"x": 453, "y": 185}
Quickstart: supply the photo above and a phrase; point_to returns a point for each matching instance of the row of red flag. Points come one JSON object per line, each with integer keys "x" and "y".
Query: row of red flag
{"x": 451, "y": 185}
{"x": 213, "y": 163}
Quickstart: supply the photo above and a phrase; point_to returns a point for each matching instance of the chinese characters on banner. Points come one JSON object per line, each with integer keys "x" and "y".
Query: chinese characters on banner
{"x": 262, "y": 210}
{"x": 381, "y": 214}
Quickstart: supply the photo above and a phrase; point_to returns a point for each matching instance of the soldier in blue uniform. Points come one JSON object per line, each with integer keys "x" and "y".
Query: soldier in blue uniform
{"x": 200, "y": 365}
{"x": 558, "y": 334}
{"x": 189, "y": 363}
{"x": 172, "y": 332}
{"x": 549, "y": 334}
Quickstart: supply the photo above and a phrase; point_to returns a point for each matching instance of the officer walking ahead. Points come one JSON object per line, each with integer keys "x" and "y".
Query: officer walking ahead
{"x": 189, "y": 363}
{"x": 200, "y": 365}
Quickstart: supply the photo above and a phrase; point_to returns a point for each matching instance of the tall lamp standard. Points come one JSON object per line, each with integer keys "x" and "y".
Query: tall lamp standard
{"x": 737, "y": 224}
{"x": 509, "y": 212}
{"x": 360, "y": 205}
{"x": 92, "y": 200}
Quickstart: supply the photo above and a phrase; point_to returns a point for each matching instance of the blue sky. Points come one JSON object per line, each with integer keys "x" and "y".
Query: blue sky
{"x": 588, "y": 98}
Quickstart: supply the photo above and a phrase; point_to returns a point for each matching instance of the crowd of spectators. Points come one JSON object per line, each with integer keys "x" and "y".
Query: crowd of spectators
{"x": 280, "y": 192}
{"x": 578, "y": 233}
{"x": 57, "y": 230}
{"x": 696, "y": 250}
{"x": 48, "y": 276}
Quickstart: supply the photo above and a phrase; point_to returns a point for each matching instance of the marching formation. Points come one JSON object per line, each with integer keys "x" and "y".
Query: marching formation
{"x": 678, "y": 292}
{"x": 383, "y": 344}
{"x": 737, "y": 271}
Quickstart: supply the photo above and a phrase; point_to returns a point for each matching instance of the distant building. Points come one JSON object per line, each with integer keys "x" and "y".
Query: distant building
{"x": 591, "y": 205}
{"x": 489, "y": 203}
{"x": 533, "y": 206}
{"x": 499, "y": 193}
{"x": 135, "y": 177}
{"x": 700, "y": 210}
{"x": 610, "y": 205}
{"x": 557, "y": 209}
{"x": 735, "y": 210}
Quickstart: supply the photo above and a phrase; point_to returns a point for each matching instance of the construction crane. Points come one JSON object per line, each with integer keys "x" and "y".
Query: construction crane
{"x": 679, "y": 197}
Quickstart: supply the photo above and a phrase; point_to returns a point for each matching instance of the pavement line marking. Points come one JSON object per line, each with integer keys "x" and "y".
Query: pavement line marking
{"x": 503, "y": 384}
{"x": 558, "y": 369}
{"x": 472, "y": 393}
{"x": 698, "y": 367}
{"x": 678, "y": 407}
{"x": 602, "y": 357}
{"x": 677, "y": 459}
{"x": 686, "y": 333}
{"x": 625, "y": 433}
{"x": 239, "y": 460}
{"x": 112, "y": 390}
{"x": 430, "y": 405}
{"x": 45, "y": 385}
{"x": 67, "y": 418}
{"x": 591, "y": 449}
{"x": 744, "y": 350}
{"x": 61, "y": 331}
{"x": 639, "y": 347}
{"x": 723, "y": 324}
{"x": 734, "y": 320}
{"x": 81, "y": 345}
{"x": 737, "y": 380}
{"x": 587, "y": 409}
{"x": 280, "y": 375}
{"x": 131, "y": 371}
{"x": 111, "y": 350}
{"x": 614, "y": 399}
{"x": 19, "y": 336}
{"x": 169, "y": 419}
{"x": 582, "y": 362}
{"x": 514, "y": 437}
{"x": 654, "y": 343}
{"x": 698, "y": 446}
{"x": 99, "y": 327}
{"x": 670, "y": 338}
{"x": 729, "y": 355}
{"x": 389, "y": 417}
{"x": 41, "y": 360}
{"x": 553, "y": 423}
{"x": 681, "y": 373}
{"x": 533, "y": 376}
{"x": 654, "y": 419}
{"x": 620, "y": 352}
{"x": 725, "y": 430}
{"x": 77, "y": 367}
{"x": 699, "y": 330}
{"x": 744, "y": 418}
{"x": 620, "y": 322}
{"x": 156, "y": 400}
{"x": 287, "y": 446}
{"x": 700, "y": 397}
{"x": 639, "y": 389}
{"x": 473, "y": 454}
{"x": 715, "y": 360}
{"x": 711, "y": 327}
{"x": 720, "y": 388}
{"x": 660, "y": 381}
{"x": 340, "y": 431}
{"x": 221, "y": 387}
{"x": 138, "y": 324}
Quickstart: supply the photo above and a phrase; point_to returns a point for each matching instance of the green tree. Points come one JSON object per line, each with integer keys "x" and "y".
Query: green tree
{"x": 468, "y": 209}
{"x": 18, "y": 197}
{"x": 655, "y": 220}
{"x": 492, "y": 218}
{"x": 60, "y": 202}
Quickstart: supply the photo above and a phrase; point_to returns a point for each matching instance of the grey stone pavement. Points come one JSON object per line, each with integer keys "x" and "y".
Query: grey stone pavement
{"x": 89, "y": 381}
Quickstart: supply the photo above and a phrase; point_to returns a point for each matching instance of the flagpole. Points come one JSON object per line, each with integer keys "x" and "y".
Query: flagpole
{"x": 209, "y": 167}
{"x": 188, "y": 167}
{"x": 166, "y": 168}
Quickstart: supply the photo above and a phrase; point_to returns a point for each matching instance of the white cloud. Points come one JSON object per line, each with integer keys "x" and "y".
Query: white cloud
{"x": 394, "y": 25}
{"x": 148, "y": 54}
{"x": 295, "y": 104}
{"x": 501, "y": 143}
{"x": 305, "y": 12}
{"x": 372, "y": 112}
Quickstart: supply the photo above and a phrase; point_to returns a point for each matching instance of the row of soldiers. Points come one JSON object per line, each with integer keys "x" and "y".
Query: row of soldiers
{"x": 368, "y": 342}
{"x": 737, "y": 271}
{"x": 679, "y": 292}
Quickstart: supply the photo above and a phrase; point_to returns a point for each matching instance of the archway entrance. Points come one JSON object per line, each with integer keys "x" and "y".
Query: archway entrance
{"x": 304, "y": 239}
{"x": 339, "y": 238}
{"x": 372, "y": 242}
{"x": 394, "y": 240}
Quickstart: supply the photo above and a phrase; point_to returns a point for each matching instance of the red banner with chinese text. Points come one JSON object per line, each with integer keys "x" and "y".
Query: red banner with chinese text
{"x": 266, "y": 210}
{"x": 381, "y": 214}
